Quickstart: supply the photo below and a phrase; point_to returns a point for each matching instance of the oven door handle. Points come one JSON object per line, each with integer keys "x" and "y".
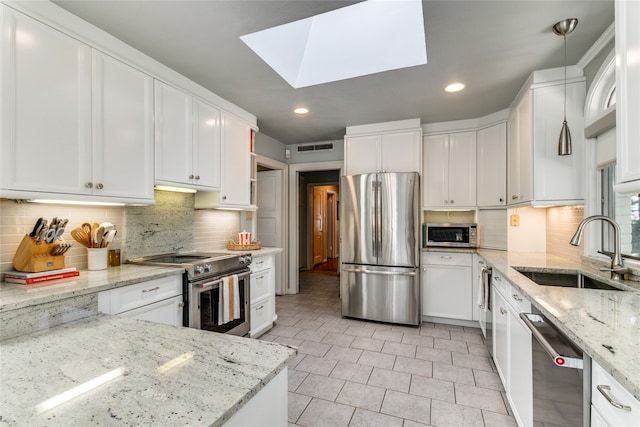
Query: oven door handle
{"x": 562, "y": 361}
{"x": 206, "y": 286}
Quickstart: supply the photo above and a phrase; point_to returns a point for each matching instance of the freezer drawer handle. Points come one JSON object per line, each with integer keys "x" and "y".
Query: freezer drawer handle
{"x": 380, "y": 273}
{"x": 563, "y": 361}
{"x": 603, "y": 390}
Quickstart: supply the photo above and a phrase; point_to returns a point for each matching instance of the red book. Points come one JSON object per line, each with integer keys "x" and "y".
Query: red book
{"x": 31, "y": 280}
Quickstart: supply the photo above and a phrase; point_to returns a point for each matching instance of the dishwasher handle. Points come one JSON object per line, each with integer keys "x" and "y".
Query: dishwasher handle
{"x": 560, "y": 360}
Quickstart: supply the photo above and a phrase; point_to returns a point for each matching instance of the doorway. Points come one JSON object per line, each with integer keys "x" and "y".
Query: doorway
{"x": 303, "y": 178}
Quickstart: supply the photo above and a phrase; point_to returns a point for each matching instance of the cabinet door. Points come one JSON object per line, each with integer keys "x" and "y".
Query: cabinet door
{"x": 628, "y": 101}
{"x": 492, "y": 166}
{"x": 122, "y": 129}
{"x": 448, "y": 292}
{"x": 236, "y": 162}
{"x": 462, "y": 169}
{"x": 519, "y": 142}
{"x": 46, "y": 108}
{"x": 362, "y": 154}
{"x": 206, "y": 145}
{"x": 500, "y": 313}
{"x": 520, "y": 370}
{"x": 435, "y": 174}
{"x": 173, "y": 137}
{"x": 168, "y": 312}
{"x": 401, "y": 152}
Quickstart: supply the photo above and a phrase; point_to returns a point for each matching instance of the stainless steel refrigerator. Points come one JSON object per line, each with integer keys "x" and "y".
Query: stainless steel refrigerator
{"x": 379, "y": 247}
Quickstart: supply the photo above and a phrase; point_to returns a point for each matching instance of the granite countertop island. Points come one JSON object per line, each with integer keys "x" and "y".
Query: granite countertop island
{"x": 156, "y": 374}
{"x": 604, "y": 323}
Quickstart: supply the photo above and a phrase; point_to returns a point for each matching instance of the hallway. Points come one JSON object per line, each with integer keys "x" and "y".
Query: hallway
{"x": 358, "y": 373}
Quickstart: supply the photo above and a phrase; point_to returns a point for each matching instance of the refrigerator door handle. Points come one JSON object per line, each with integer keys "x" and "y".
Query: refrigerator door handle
{"x": 379, "y": 217}
{"x": 379, "y": 273}
{"x": 374, "y": 214}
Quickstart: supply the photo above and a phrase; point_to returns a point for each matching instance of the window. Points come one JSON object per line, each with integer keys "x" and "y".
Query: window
{"x": 625, "y": 209}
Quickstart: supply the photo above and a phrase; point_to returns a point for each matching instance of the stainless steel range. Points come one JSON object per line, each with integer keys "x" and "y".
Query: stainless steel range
{"x": 206, "y": 274}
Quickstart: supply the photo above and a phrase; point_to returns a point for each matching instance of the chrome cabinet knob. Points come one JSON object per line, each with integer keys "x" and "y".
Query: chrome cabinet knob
{"x": 99, "y": 186}
{"x": 89, "y": 185}
{"x": 191, "y": 176}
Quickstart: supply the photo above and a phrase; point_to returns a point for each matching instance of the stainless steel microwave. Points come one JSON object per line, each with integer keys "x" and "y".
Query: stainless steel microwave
{"x": 450, "y": 235}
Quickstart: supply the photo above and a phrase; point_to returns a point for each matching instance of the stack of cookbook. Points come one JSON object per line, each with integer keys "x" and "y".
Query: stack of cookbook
{"x": 43, "y": 277}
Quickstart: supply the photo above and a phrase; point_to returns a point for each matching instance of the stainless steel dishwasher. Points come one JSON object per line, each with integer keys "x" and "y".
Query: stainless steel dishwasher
{"x": 561, "y": 376}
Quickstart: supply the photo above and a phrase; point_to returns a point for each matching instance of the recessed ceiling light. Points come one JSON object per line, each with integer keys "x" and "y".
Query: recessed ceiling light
{"x": 454, "y": 87}
{"x": 301, "y": 110}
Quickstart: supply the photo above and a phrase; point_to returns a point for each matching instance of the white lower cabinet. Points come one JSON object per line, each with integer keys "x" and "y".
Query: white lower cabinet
{"x": 267, "y": 408}
{"x": 447, "y": 285}
{"x": 262, "y": 294}
{"x": 512, "y": 348}
{"x": 158, "y": 300}
{"x": 611, "y": 404}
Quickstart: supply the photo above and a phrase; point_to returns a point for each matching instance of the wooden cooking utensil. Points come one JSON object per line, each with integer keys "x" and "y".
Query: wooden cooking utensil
{"x": 80, "y": 236}
{"x": 86, "y": 227}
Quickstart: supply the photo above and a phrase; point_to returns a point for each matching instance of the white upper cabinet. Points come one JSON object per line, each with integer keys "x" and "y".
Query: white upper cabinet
{"x": 187, "y": 140}
{"x": 122, "y": 129}
{"x": 380, "y": 150}
{"x": 70, "y": 129}
{"x": 627, "y": 96}
{"x": 449, "y": 170}
{"x": 492, "y": 166}
{"x": 537, "y": 174}
{"x": 235, "y": 185}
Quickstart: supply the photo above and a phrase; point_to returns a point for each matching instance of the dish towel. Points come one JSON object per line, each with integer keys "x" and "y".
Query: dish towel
{"x": 229, "y": 300}
{"x": 482, "y": 291}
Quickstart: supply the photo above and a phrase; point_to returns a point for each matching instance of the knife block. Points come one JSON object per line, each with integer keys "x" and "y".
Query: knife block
{"x": 33, "y": 258}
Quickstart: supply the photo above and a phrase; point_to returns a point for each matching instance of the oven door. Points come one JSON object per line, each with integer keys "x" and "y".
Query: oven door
{"x": 206, "y": 307}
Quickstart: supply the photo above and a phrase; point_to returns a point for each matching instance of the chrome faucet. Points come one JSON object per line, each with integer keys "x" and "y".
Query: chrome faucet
{"x": 617, "y": 266}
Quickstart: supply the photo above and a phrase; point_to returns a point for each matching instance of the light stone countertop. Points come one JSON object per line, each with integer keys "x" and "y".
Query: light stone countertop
{"x": 605, "y": 324}
{"x": 14, "y": 296}
{"x": 262, "y": 251}
{"x": 217, "y": 375}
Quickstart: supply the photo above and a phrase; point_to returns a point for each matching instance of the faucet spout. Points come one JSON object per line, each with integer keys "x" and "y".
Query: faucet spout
{"x": 617, "y": 266}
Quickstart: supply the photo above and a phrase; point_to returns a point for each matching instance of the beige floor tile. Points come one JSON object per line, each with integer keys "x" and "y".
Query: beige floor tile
{"x": 486, "y": 379}
{"x": 399, "y": 349}
{"x": 320, "y": 413}
{"x": 361, "y": 396}
{"x": 387, "y": 336}
{"x": 480, "y": 398}
{"x": 285, "y": 331}
{"x": 295, "y": 378}
{"x": 433, "y": 355}
{"x": 316, "y": 365}
{"x": 321, "y": 387}
{"x": 312, "y": 324}
{"x": 297, "y": 404}
{"x": 391, "y": 380}
{"x": 413, "y": 366}
{"x": 478, "y": 349}
{"x": 470, "y": 361}
{"x": 359, "y": 331}
{"x": 435, "y": 332}
{"x": 443, "y": 344}
{"x": 445, "y": 414}
{"x": 408, "y": 406}
{"x": 310, "y": 335}
{"x": 407, "y": 330}
{"x": 467, "y": 336}
{"x": 378, "y": 360}
{"x": 364, "y": 418}
{"x": 432, "y": 388}
{"x": 409, "y": 423}
{"x": 344, "y": 353}
{"x": 453, "y": 373}
{"x": 314, "y": 348}
{"x": 491, "y": 419}
{"x": 334, "y": 338}
{"x": 418, "y": 340}
{"x": 365, "y": 343}
{"x": 352, "y": 372}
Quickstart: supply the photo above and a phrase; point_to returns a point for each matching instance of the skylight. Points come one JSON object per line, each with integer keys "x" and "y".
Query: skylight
{"x": 365, "y": 38}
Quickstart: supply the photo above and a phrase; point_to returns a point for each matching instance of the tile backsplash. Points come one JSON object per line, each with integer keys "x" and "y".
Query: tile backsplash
{"x": 170, "y": 225}
{"x": 562, "y": 223}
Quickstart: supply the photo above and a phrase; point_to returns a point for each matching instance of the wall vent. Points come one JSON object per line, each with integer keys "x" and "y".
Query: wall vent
{"x": 305, "y": 148}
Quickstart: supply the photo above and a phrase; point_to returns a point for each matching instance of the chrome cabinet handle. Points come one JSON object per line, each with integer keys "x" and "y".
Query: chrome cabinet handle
{"x": 89, "y": 185}
{"x": 181, "y": 305}
{"x": 197, "y": 177}
{"x": 99, "y": 186}
{"x": 445, "y": 257}
{"x": 603, "y": 389}
{"x": 514, "y": 197}
{"x": 503, "y": 311}
{"x": 260, "y": 308}
{"x": 451, "y": 201}
{"x": 191, "y": 176}
{"x": 516, "y": 297}
{"x": 497, "y": 278}
{"x": 151, "y": 289}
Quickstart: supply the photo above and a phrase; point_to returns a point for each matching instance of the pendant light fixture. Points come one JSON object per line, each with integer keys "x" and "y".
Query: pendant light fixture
{"x": 563, "y": 28}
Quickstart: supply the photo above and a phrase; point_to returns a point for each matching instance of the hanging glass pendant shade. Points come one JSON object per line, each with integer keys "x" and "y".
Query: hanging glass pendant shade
{"x": 563, "y": 28}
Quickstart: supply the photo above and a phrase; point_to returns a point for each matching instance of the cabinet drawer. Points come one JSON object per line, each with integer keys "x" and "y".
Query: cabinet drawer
{"x": 517, "y": 300}
{"x": 261, "y": 263}
{"x": 448, "y": 258}
{"x": 260, "y": 286}
{"x": 615, "y": 416}
{"x": 500, "y": 283}
{"x": 133, "y": 296}
{"x": 260, "y": 314}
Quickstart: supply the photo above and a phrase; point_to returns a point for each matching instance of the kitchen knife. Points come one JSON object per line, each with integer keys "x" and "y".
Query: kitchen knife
{"x": 36, "y": 228}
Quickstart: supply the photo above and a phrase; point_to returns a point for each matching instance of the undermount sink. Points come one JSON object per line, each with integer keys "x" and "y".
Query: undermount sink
{"x": 565, "y": 280}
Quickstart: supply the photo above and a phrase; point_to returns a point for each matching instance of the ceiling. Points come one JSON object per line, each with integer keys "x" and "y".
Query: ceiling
{"x": 491, "y": 46}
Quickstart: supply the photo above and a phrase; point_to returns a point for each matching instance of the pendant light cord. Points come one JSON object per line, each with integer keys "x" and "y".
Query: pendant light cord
{"x": 565, "y": 77}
